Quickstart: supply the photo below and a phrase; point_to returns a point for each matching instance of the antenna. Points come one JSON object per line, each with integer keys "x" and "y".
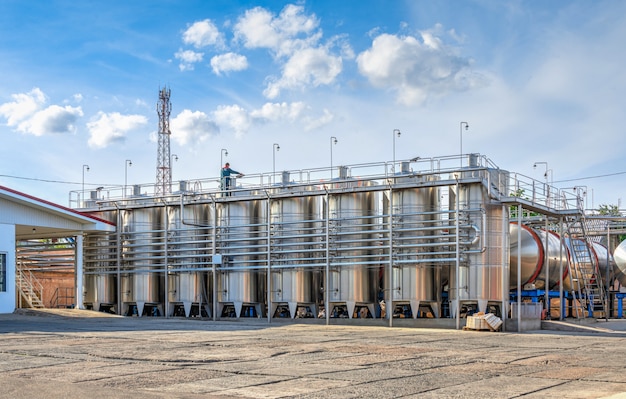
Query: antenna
{"x": 164, "y": 171}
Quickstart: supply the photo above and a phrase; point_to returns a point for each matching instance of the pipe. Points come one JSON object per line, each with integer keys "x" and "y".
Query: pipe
{"x": 389, "y": 305}
{"x": 327, "y": 276}
{"x": 458, "y": 257}
{"x": 519, "y": 270}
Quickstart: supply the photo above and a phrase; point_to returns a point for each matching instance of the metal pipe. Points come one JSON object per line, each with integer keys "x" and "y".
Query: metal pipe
{"x": 269, "y": 258}
{"x": 519, "y": 269}
{"x": 562, "y": 243}
{"x": 389, "y": 305}
{"x": 458, "y": 258}
{"x": 546, "y": 300}
{"x": 327, "y": 276}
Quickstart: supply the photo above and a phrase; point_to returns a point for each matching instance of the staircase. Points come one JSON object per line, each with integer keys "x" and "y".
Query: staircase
{"x": 585, "y": 277}
{"x": 29, "y": 288}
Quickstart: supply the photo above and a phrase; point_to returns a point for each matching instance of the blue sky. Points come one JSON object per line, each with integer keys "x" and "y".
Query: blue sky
{"x": 536, "y": 81}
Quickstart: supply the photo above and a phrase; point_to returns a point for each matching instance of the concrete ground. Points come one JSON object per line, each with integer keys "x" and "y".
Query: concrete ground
{"x": 83, "y": 354}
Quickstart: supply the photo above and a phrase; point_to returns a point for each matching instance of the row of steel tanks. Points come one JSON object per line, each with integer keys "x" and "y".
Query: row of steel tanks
{"x": 540, "y": 249}
{"x": 298, "y": 238}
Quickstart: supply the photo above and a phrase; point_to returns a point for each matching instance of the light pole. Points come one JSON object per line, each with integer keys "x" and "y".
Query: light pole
{"x": 395, "y": 132}
{"x": 276, "y": 147}
{"x": 126, "y": 165}
{"x": 461, "y": 139}
{"x": 82, "y": 200}
{"x": 223, "y": 153}
{"x": 333, "y": 140}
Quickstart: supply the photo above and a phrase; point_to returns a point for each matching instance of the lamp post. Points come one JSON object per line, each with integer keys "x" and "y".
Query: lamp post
{"x": 461, "y": 139}
{"x": 276, "y": 147}
{"x": 333, "y": 140}
{"x": 395, "y": 132}
{"x": 82, "y": 199}
{"x": 126, "y": 165}
{"x": 223, "y": 153}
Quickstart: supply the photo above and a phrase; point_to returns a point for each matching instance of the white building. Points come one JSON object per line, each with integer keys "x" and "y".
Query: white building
{"x": 26, "y": 217}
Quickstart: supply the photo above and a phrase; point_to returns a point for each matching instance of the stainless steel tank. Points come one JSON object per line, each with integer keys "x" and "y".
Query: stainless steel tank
{"x": 354, "y": 250}
{"x": 142, "y": 252}
{"x": 240, "y": 227}
{"x": 294, "y": 234}
{"x": 415, "y": 212}
{"x": 482, "y": 239}
{"x": 533, "y": 247}
{"x": 605, "y": 261}
{"x": 619, "y": 255}
{"x": 187, "y": 251}
{"x": 100, "y": 291}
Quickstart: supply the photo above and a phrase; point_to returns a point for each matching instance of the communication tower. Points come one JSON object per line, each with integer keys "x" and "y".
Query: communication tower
{"x": 164, "y": 171}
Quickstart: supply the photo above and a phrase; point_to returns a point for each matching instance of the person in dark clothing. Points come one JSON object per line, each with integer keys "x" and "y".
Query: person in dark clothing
{"x": 227, "y": 181}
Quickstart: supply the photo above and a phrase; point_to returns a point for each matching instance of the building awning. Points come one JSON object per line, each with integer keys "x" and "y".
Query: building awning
{"x": 37, "y": 218}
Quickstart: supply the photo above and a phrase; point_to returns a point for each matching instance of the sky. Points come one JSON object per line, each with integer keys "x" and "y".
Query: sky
{"x": 536, "y": 81}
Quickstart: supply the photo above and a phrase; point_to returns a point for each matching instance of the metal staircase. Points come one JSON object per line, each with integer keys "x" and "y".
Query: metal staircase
{"x": 585, "y": 277}
{"x": 29, "y": 289}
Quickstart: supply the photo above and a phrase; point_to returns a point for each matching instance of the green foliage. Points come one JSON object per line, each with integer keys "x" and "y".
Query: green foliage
{"x": 609, "y": 210}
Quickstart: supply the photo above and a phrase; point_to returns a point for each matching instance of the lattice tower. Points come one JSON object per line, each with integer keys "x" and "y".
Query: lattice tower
{"x": 164, "y": 171}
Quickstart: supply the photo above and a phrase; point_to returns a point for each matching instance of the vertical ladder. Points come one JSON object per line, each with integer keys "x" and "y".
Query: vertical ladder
{"x": 589, "y": 289}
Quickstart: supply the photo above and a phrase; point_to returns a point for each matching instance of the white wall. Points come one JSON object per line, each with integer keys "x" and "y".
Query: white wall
{"x": 7, "y": 245}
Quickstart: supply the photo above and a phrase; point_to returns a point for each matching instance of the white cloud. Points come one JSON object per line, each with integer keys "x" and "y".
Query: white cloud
{"x": 54, "y": 119}
{"x": 202, "y": 34}
{"x": 416, "y": 69}
{"x": 187, "y": 59}
{"x": 228, "y": 62}
{"x": 311, "y": 123}
{"x": 24, "y": 106}
{"x": 308, "y": 67}
{"x": 233, "y": 117}
{"x": 108, "y": 128}
{"x": 26, "y": 115}
{"x": 192, "y": 127}
{"x": 279, "y": 111}
{"x": 290, "y": 30}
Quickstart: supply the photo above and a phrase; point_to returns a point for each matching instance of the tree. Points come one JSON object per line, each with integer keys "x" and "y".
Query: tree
{"x": 609, "y": 210}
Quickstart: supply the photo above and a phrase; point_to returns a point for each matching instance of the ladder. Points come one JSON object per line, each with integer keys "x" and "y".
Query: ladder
{"x": 29, "y": 288}
{"x": 585, "y": 277}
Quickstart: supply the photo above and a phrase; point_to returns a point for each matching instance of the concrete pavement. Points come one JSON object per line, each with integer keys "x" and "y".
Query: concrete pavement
{"x": 77, "y": 354}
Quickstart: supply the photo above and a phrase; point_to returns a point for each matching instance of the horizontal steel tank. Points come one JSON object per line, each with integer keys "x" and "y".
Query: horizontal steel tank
{"x": 187, "y": 251}
{"x": 294, "y": 233}
{"x": 353, "y": 247}
{"x": 414, "y": 217}
{"x": 604, "y": 259}
{"x": 142, "y": 253}
{"x": 619, "y": 256}
{"x": 533, "y": 246}
{"x": 240, "y": 226}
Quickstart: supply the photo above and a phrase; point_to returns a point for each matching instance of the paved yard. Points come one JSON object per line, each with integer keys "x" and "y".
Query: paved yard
{"x": 84, "y": 354}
